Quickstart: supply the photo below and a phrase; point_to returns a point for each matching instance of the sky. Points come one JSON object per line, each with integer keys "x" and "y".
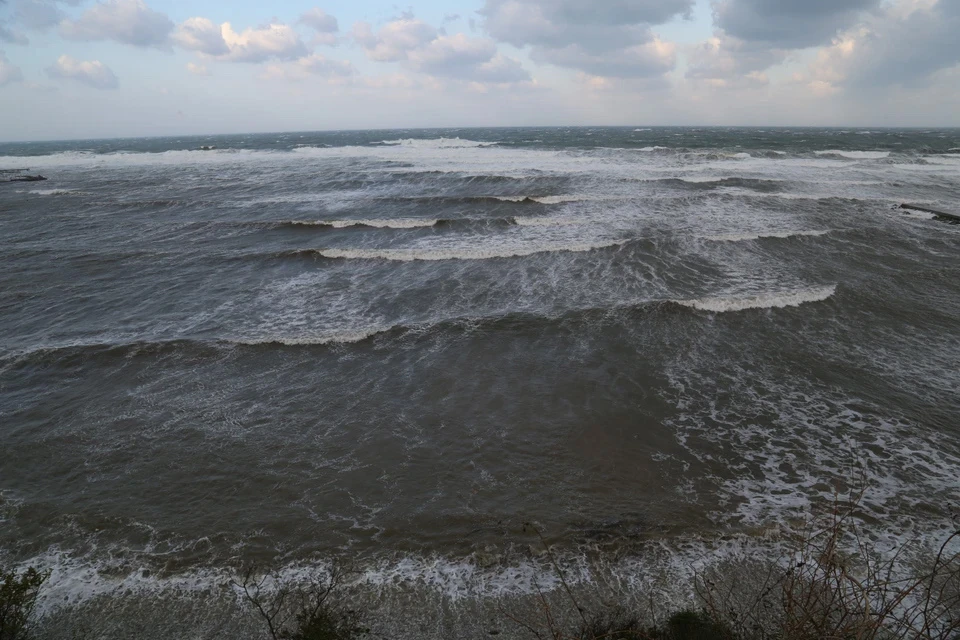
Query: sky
{"x": 119, "y": 68}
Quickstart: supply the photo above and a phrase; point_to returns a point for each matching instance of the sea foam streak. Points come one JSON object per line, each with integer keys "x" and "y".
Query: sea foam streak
{"x": 463, "y": 253}
{"x": 396, "y": 223}
{"x": 855, "y": 155}
{"x": 776, "y": 300}
{"x": 741, "y": 237}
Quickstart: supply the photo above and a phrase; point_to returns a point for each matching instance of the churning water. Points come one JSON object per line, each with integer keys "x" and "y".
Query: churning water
{"x": 400, "y": 346}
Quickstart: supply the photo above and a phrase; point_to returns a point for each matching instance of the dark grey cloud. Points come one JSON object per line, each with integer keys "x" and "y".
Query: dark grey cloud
{"x": 612, "y": 38}
{"x": 126, "y": 21}
{"x": 91, "y": 73}
{"x": 903, "y": 45}
{"x": 590, "y": 25}
{"x": 731, "y": 62}
{"x": 788, "y": 24}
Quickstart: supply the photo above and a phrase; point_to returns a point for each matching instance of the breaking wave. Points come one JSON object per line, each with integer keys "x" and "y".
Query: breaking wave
{"x": 760, "y": 301}
{"x": 854, "y": 155}
{"x": 741, "y": 237}
{"x": 435, "y": 143}
{"x": 464, "y": 252}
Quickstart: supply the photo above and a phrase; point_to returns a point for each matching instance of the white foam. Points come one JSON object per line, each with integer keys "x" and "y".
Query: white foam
{"x": 437, "y": 143}
{"x": 655, "y": 148}
{"x": 741, "y": 237}
{"x": 775, "y": 300}
{"x": 48, "y": 192}
{"x": 464, "y": 252}
{"x": 395, "y": 223}
{"x": 855, "y": 155}
{"x": 545, "y": 221}
{"x": 740, "y": 156}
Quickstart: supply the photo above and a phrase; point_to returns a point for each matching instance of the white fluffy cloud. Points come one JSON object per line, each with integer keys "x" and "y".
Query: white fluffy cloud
{"x": 272, "y": 42}
{"x": 395, "y": 40}
{"x": 197, "y": 69}
{"x": 91, "y": 73}
{"x": 8, "y": 72}
{"x": 126, "y": 21}
{"x": 201, "y": 35}
{"x": 312, "y": 66}
{"x": 423, "y": 48}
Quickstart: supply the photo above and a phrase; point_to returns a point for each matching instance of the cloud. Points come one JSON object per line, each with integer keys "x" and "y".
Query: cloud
{"x": 91, "y": 73}
{"x": 319, "y": 21}
{"x": 12, "y": 37}
{"x": 728, "y": 62}
{"x": 126, "y": 21}
{"x": 41, "y": 14}
{"x": 788, "y": 24}
{"x": 651, "y": 58}
{"x": 590, "y": 25}
{"x": 8, "y": 73}
{"x": 425, "y": 49}
{"x": 314, "y": 65}
{"x": 272, "y": 42}
{"x": 904, "y": 44}
{"x": 395, "y": 40}
{"x": 201, "y": 35}
{"x": 197, "y": 69}
{"x": 604, "y": 39}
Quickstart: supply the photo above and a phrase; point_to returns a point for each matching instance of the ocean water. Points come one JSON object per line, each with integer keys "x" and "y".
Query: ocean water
{"x": 655, "y": 345}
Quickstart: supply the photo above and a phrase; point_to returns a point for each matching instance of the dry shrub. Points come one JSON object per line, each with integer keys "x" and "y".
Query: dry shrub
{"x": 836, "y": 586}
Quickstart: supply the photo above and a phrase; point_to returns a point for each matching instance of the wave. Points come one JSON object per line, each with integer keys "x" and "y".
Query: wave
{"x": 776, "y": 300}
{"x": 435, "y": 143}
{"x": 396, "y": 223}
{"x": 586, "y": 317}
{"x": 464, "y": 252}
{"x": 855, "y": 155}
{"x": 49, "y": 192}
{"x": 414, "y": 223}
{"x": 755, "y": 184}
{"x": 735, "y": 237}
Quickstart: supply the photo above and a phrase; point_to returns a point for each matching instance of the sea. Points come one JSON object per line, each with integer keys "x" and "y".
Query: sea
{"x": 433, "y": 354}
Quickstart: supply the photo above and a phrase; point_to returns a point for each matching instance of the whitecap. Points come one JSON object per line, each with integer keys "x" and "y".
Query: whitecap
{"x": 437, "y": 143}
{"x": 396, "y": 223}
{"x": 740, "y": 237}
{"x": 774, "y": 300}
{"x": 855, "y": 155}
{"x": 464, "y": 252}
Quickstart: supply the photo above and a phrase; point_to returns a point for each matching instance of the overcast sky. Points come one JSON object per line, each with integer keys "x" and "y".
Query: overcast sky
{"x": 102, "y": 68}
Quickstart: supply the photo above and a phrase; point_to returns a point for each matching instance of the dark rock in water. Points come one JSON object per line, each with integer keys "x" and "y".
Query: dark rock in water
{"x": 27, "y": 179}
{"x": 207, "y": 148}
{"x": 943, "y": 216}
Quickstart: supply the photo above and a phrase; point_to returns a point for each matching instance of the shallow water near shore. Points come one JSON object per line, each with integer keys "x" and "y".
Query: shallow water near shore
{"x": 658, "y": 346}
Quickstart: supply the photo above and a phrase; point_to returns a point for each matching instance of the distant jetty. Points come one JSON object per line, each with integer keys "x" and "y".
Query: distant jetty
{"x": 942, "y": 215}
{"x": 18, "y": 175}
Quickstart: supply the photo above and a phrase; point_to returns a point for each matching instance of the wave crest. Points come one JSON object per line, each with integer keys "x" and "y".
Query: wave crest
{"x": 776, "y": 300}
